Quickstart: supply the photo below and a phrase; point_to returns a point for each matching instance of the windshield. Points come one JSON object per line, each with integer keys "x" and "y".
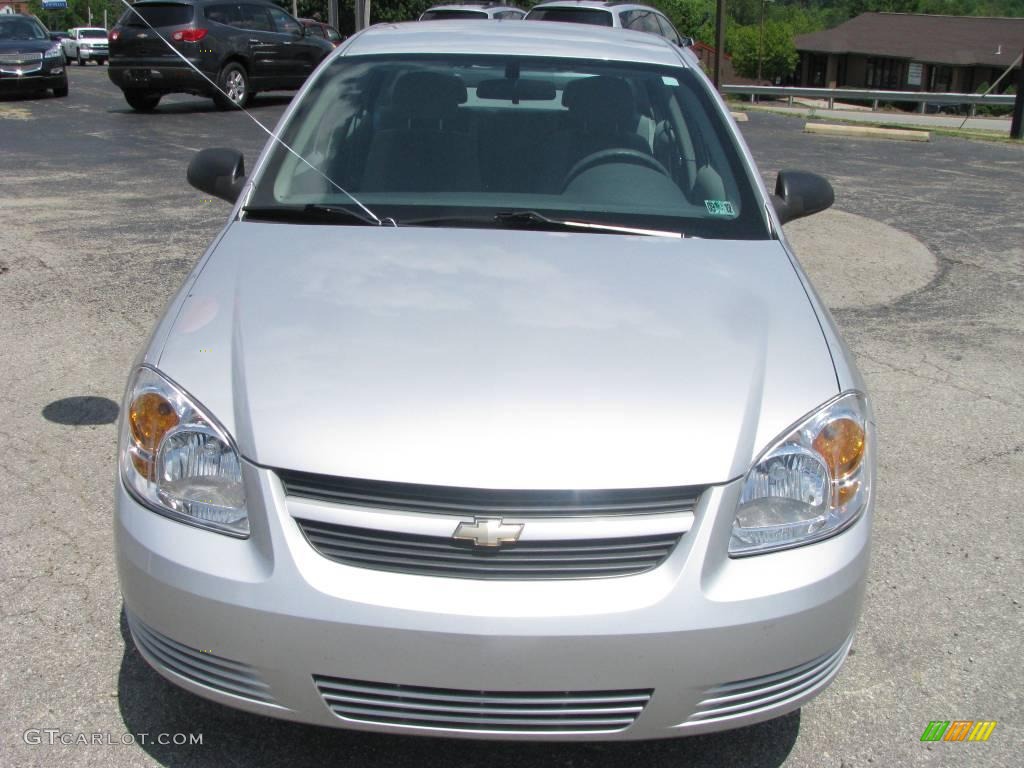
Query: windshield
{"x": 594, "y": 16}
{"x": 21, "y": 29}
{"x": 93, "y": 33}
{"x": 452, "y": 14}
{"x": 417, "y": 137}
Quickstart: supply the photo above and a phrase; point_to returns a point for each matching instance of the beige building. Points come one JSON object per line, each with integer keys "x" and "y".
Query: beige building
{"x": 911, "y": 52}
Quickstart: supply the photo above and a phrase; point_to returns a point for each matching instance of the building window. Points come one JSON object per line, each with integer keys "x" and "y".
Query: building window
{"x": 817, "y": 68}
{"x": 885, "y": 73}
{"x": 942, "y": 78}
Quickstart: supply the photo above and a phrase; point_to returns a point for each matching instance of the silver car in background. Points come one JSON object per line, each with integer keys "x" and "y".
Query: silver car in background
{"x": 499, "y": 408}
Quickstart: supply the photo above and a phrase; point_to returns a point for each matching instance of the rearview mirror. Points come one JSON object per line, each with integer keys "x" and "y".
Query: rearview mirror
{"x": 219, "y": 172}
{"x": 799, "y": 193}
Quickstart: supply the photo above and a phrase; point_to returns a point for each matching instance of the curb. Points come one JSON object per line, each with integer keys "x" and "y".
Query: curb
{"x": 898, "y": 134}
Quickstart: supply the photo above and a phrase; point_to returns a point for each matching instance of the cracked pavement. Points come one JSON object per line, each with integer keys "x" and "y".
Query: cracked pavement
{"x": 97, "y": 230}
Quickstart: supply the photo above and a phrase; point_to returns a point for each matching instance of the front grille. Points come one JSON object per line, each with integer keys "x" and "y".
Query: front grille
{"x": 200, "y": 666}
{"x": 524, "y": 560}
{"x": 456, "y": 710}
{"x": 746, "y": 697}
{"x": 483, "y": 502}
{"x": 16, "y": 59}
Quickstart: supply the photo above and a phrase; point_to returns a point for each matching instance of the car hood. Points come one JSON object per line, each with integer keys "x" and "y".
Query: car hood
{"x": 499, "y": 359}
{"x": 26, "y": 46}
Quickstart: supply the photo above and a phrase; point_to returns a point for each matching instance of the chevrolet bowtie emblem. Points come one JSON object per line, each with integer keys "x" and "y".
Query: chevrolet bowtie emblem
{"x": 489, "y": 532}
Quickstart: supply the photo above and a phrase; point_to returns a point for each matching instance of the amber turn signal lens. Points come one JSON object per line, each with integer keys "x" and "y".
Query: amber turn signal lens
{"x": 841, "y": 445}
{"x": 150, "y": 417}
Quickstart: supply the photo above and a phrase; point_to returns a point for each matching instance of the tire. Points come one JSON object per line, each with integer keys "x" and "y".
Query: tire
{"x": 233, "y": 80}
{"x": 81, "y": 61}
{"x": 142, "y": 101}
{"x": 62, "y": 90}
{"x": 100, "y": 62}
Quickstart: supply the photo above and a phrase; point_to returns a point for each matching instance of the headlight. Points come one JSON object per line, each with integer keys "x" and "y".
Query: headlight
{"x": 810, "y": 484}
{"x": 53, "y": 53}
{"x": 177, "y": 460}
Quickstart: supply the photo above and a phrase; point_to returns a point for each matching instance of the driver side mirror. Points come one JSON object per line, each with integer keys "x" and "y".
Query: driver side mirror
{"x": 219, "y": 172}
{"x": 799, "y": 193}
{"x": 55, "y": 37}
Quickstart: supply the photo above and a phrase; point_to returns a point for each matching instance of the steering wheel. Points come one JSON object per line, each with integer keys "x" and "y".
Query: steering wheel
{"x": 613, "y": 155}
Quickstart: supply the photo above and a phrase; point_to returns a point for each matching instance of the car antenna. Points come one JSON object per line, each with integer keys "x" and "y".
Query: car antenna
{"x": 272, "y": 134}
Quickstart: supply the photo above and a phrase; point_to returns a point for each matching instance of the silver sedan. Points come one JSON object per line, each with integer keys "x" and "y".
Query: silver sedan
{"x": 499, "y": 408}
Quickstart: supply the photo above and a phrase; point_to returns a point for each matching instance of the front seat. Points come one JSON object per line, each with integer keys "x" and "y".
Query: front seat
{"x": 422, "y": 146}
{"x": 602, "y": 115}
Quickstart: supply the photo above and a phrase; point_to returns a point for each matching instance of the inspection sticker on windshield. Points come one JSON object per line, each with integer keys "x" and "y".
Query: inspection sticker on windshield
{"x": 720, "y": 208}
{"x": 671, "y": 82}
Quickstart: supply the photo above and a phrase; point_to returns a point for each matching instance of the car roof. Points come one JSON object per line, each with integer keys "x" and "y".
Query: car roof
{"x": 205, "y": 2}
{"x": 599, "y": 4}
{"x": 482, "y": 7}
{"x": 572, "y": 41}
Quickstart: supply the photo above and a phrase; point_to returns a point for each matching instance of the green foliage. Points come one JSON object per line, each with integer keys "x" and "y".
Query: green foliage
{"x": 774, "y": 49}
{"x": 695, "y": 18}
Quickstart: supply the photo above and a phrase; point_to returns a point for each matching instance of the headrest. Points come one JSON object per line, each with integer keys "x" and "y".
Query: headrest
{"x": 426, "y": 94}
{"x": 601, "y": 103}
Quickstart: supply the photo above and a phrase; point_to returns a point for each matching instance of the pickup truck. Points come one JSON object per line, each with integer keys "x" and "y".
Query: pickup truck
{"x": 86, "y": 44}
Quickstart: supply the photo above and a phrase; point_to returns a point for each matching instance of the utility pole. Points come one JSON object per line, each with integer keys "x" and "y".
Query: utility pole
{"x": 760, "y": 45}
{"x": 362, "y": 14}
{"x": 295, "y": 8}
{"x": 1017, "y": 125}
{"x": 719, "y": 42}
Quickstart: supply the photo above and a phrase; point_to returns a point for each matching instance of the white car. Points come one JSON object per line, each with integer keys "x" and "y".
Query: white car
{"x": 86, "y": 44}
{"x": 497, "y": 411}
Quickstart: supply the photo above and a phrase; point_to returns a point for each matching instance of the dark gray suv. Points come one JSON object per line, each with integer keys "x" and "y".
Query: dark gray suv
{"x": 243, "y": 47}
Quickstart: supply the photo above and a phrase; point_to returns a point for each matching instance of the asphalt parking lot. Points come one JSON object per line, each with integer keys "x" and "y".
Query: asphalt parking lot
{"x": 922, "y": 260}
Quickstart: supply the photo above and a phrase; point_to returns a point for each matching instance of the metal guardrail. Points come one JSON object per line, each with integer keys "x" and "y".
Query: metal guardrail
{"x": 874, "y": 96}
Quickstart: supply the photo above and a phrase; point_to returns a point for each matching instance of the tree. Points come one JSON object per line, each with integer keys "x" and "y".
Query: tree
{"x": 694, "y": 18}
{"x": 778, "y": 54}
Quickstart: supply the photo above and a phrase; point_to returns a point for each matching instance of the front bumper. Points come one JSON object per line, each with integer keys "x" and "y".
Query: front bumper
{"x": 39, "y": 80}
{"x": 715, "y": 643}
{"x": 94, "y": 53}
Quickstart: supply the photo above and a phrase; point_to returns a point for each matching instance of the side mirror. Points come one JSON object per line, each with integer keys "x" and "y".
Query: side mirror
{"x": 219, "y": 172}
{"x": 55, "y": 36}
{"x": 686, "y": 42}
{"x": 799, "y": 193}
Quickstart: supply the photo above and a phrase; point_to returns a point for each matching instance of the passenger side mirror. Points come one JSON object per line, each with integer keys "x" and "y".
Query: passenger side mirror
{"x": 55, "y": 36}
{"x": 799, "y": 193}
{"x": 219, "y": 172}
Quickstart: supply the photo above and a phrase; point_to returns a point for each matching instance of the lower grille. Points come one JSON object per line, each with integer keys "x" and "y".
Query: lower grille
{"x": 456, "y": 710}
{"x": 198, "y": 666}
{"x": 525, "y": 560}
{"x": 16, "y": 59}
{"x": 745, "y": 697}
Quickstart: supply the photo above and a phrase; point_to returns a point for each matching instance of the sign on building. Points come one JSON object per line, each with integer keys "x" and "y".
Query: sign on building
{"x": 54, "y": 5}
{"x": 914, "y": 73}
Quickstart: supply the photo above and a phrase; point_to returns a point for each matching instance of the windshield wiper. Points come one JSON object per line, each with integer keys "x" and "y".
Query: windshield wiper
{"x": 311, "y": 213}
{"x": 527, "y": 219}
